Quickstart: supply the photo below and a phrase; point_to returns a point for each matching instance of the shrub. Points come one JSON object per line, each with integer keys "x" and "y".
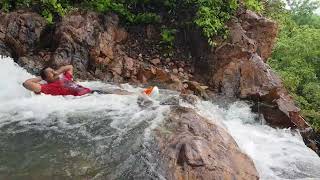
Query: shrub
{"x": 168, "y": 36}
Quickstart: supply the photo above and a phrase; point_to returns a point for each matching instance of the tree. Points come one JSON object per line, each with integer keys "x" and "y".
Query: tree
{"x": 296, "y": 55}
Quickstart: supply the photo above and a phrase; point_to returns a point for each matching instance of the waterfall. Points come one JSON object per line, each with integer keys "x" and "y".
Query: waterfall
{"x": 110, "y": 136}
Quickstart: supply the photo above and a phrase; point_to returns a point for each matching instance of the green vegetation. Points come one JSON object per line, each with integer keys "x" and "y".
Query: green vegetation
{"x": 47, "y": 8}
{"x": 209, "y": 15}
{"x": 296, "y": 56}
{"x": 167, "y": 40}
{"x": 168, "y": 36}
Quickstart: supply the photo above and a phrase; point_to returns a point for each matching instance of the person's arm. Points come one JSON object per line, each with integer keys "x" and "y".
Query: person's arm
{"x": 63, "y": 69}
{"x": 33, "y": 85}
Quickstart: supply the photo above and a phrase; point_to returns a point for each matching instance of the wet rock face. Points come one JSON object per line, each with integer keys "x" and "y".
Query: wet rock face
{"x": 191, "y": 147}
{"x": 20, "y": 36}
{"x": 21, "y": 31}
{"x": 82, "y": 39}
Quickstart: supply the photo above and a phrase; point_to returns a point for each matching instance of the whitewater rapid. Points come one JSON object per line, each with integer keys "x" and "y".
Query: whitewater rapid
{"x": 108, "y": 135}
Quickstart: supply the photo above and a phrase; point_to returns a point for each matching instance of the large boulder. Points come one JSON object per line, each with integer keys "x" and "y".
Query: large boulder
{"x": 237, "y": 68}
{"x": 20, "y": 38}
{"x": 20, "y": 31}
{"x": 75, "y": 37}
{"x": 192, "y": 147}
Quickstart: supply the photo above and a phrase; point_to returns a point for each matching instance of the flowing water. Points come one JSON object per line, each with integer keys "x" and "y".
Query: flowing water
{"x": 110, "y": 136}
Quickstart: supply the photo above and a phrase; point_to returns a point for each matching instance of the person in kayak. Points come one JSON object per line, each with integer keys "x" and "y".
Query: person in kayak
{"x": 59, "y": 82}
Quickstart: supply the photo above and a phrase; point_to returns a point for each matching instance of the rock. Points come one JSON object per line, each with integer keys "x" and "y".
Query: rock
{"x": 32, "y": 64}
{"x": 262, "y": 30}
{"x": 129, "y": 62}
{"x": 116, "y": 66}
{"x": 175, "y": 71}
{"x": 121, "y": 35}
{"x": 197, "y": 89}
{"x": 243, "y": 73}
{"x": 190, "y": 98}
{"x": 155, "y": 61}
{"x": 192, "y": 147}
{"x": 144, "y": 101}
{"x": 83, "y": 41}
{"x": 237, "y": 68}
{"x": 162, "y": 75}
{"x": 20, "y": 31}
{"x": 171, "y": 100}
{"x": 4, "y": 50}
{"x": 312, "y": 139}
{"x": 181, "y": 64}
{"x": 180, "y": 70}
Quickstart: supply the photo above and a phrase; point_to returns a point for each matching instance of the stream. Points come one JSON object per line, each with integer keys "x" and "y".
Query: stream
{"x": 110, "y": 136}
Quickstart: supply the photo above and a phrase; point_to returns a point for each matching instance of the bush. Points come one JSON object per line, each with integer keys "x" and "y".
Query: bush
{"x": 254, "y": 5}
{"x": 168, "y": 36}
{"x": 48, "y": 8}
{"x": 212, "y": 15}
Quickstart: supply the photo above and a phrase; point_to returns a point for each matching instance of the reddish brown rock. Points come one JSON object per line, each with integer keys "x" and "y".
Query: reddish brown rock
{"x": 129, "y": 63}
{"x": 121, "y": 35}
{"x": 175, "y": 71}
{"x": 77, "y": 35}
{"x": 262, "y": 30}
{"x": 21, "y": 31}
{"x": 91, "y": 42}
{"x": 197, "y": 89}
{"x": 193, "y": 147}
{"x": 238, "y": 69}
{"x": 155, "y": 61}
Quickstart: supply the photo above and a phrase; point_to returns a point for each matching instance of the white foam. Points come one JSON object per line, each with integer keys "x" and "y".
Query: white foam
{"x": 277, "y": 153}
{"x": 19, "y": 105}
{"x": 12, "y": 77}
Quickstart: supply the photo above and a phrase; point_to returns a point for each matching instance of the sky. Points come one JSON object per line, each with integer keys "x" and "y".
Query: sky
{"x": 317, "y": 11}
